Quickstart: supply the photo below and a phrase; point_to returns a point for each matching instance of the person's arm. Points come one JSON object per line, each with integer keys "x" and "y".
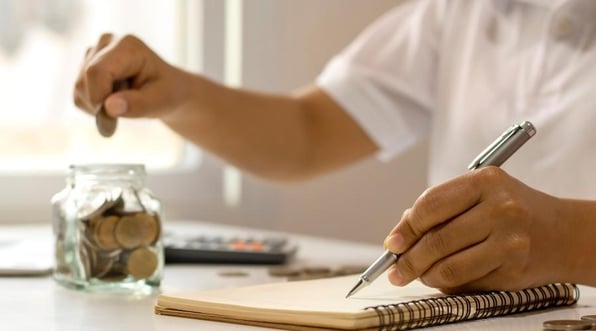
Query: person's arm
{"x": 285, "y": 137}
{"x": 485, "y": 230}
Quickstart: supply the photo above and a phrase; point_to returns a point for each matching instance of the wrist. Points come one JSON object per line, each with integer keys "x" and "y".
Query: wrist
{"x": 577, "y": 241}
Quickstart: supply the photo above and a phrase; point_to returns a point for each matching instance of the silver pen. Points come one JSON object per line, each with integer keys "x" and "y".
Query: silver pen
{"x": 494, "y": 155}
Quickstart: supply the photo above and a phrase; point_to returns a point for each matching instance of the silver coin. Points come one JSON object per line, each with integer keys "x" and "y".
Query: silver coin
{"x": 92, "y": 206}
{"x": 567, "y": 325}
{"x": 106, "y": 124}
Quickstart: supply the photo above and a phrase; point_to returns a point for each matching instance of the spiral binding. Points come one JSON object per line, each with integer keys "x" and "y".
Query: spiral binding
{"x": 454, "y": 308}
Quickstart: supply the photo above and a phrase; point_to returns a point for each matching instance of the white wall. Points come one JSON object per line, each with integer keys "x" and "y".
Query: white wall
{"x": 286, "y": 44}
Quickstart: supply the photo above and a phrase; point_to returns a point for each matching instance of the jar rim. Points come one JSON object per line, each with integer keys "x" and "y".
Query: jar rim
{"x": 116, "y": 170}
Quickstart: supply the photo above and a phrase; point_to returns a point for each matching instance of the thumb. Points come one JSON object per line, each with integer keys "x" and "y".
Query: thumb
{"x": 130, "y": 103}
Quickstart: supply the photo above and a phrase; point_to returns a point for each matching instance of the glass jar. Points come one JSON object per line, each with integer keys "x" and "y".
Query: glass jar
{"x": 107, "y": 229}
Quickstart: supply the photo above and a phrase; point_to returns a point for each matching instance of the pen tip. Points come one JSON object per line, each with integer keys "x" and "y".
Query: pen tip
{"x": 355, "y": 289}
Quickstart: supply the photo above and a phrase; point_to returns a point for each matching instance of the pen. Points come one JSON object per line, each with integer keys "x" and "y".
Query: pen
{"x": 494, "y": 155}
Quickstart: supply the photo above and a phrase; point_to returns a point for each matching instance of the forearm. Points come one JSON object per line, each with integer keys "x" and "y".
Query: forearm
{"x": 578, "y": 241}
{"x": 284, "y": 137}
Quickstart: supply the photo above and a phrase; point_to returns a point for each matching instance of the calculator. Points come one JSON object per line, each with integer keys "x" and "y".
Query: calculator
{"x": 222, "y": 249}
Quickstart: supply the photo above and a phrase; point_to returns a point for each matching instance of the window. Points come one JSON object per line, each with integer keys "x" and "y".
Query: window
{"x": 41, "y": 46}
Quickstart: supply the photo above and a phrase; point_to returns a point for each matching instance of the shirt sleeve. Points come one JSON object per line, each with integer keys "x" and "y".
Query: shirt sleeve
{"x": 385, "y": 79}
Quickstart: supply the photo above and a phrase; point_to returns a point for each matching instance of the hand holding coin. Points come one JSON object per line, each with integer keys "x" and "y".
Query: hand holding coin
{"x": 106, "y": 124}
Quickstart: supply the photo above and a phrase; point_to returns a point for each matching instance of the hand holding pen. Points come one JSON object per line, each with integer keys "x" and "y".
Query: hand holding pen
{"x": 483, "y": 230}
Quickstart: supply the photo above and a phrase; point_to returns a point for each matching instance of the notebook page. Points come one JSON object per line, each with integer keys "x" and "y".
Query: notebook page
{"x": 321, "y": 300}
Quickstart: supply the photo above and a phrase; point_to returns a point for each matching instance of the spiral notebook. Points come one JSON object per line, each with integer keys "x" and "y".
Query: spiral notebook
{"x": 321, "y": 304}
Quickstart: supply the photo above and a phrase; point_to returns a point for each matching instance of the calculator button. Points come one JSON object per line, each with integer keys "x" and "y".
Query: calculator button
{"x": 257, "y": 246}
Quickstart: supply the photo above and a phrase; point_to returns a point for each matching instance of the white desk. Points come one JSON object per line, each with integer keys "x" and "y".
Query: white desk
{"x": 38, "y": 303}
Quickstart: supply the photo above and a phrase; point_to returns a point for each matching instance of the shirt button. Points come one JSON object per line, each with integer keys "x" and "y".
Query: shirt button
{"x": 564, "y": 28}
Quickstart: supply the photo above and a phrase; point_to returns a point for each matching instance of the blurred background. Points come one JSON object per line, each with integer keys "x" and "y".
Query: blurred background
{"x": 271, "y": 45}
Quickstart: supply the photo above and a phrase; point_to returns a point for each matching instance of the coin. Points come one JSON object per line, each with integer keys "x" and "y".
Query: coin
{"x": 106, "y": 124}
{"x": 566, "y": 325}
{"x": 350, "y": 270}
{"x": 316, "y": 271}
{"x": 141, "y": 263}
{"x": 94, "y": 207}
{"x": 148, "y": 228}
{"x": 233, "y": 273}
{"x": 104, "y": 232}
{"x": 127, "y": 232}
{"x": 591, "y": 319}
{"x": 284, "y": 271}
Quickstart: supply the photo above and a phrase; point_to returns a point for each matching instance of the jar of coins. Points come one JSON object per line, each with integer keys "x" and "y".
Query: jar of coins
{"x": 107, "y": 229}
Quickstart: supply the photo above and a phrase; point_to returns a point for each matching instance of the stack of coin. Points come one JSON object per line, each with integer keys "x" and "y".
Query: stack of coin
{"x": 566, "y": 325}
{"x": 116, "y": 243}
{"x": 591, "y": 319}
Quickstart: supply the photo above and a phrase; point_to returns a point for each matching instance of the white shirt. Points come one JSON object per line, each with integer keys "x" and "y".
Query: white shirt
{"x": 460, "y": 72}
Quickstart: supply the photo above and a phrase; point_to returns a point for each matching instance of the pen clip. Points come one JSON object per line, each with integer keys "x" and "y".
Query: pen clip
{"x": 487, "y": 152}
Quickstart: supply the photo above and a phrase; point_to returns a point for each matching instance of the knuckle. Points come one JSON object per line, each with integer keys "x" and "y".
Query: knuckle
{"x": 79, "y": 85}
{"x": 448, "y": 274}
{"x": 436, "y": 242}
{"x": 406, "y": 265}
{"x": 104, "y": 40}
{"x": 427, "y": 198}
{"x": 490, "y": 174}
{"x": 514, "y": 209}
{"x": 518, "y": 244}
{"x": 92, "y": 71}
{"x": 411, "y": 228}
{"x": 129, "y": 39}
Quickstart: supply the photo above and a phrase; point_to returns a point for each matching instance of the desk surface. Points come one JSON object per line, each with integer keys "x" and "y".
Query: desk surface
{"x": 38, "y": 303}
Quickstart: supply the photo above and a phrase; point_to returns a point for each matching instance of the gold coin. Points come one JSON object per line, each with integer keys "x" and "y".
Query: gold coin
{"x": 127, "y": 232}
{"x": 104, "y": 232}
{"x": 148, "y": 228}
{"x": 566, "y": 325}
{"x": 141, "y": 263}
{"x": 135, "y": 230}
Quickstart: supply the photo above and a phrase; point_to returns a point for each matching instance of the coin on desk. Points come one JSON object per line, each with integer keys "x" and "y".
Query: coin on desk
{"x": 284, "y": 271}
{"x": 350, "y": 270}
{"x": 591, "y": 319}
{"x": 566, "y": 325}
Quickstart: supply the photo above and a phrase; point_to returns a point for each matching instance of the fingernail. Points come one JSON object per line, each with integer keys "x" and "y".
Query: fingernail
{"x": 395, "y": 242}
{"x": 116, "y": 106}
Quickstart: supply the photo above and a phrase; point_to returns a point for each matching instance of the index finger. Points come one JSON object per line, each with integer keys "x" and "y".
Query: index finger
{"x": 433, "y": 207}
{"x": 119, "y": 61}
